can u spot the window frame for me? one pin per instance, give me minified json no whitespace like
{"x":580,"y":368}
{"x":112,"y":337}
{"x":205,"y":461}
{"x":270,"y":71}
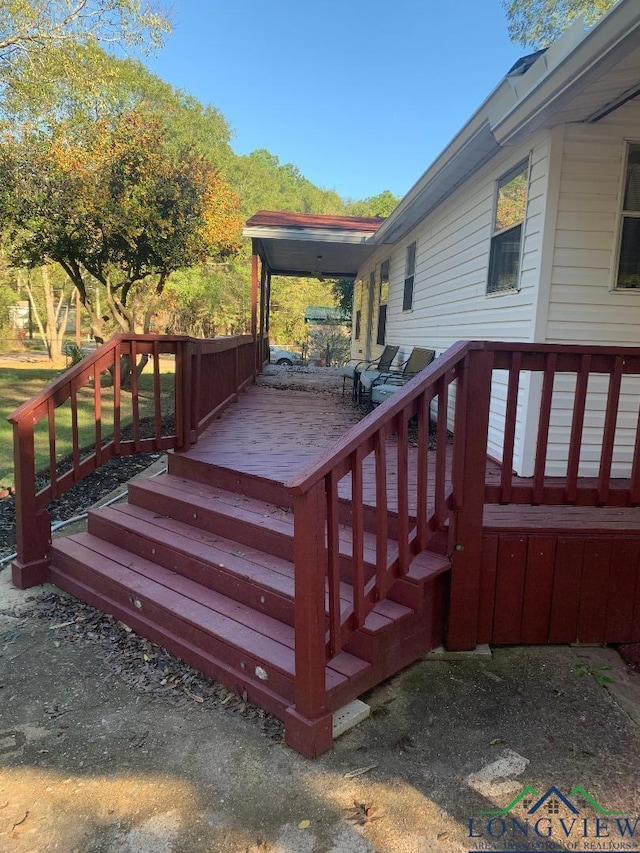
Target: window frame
{"x":383,"y":300}
{"x":411,"y":252}
{"x":522,"y":167}
{"x":623,"y":215}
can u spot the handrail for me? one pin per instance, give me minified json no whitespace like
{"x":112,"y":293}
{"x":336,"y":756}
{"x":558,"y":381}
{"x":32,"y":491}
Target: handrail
{"x":364,"y":431}
{"x":209,"y":374}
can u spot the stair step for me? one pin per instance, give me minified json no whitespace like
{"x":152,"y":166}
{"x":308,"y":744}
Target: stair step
{"x":177,"y":612}
{"x":264,"y":582}
{"x":249,"y":485}
{"x":237,"y":517}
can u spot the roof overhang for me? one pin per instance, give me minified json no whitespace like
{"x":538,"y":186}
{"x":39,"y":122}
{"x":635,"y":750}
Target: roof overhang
{"x":312,"y":245}
{"x":580,"y":78}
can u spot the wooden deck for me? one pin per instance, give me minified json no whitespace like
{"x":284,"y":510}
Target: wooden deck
{"x":301,"y":553}
{"x":274,"y":434}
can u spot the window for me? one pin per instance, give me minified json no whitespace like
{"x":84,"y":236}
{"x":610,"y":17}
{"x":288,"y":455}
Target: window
{"x":357,"y":298}
{"x":511,"y":205}
{"x":409,"y":273}
{"x":629,"y":262}
{"x":382,"y":304}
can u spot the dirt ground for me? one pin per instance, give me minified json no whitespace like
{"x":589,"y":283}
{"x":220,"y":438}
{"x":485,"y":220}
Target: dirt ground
{"x":97,"y":754}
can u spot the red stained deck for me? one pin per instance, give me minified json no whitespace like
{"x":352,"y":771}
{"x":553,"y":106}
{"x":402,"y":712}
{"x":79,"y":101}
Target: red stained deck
{"x":274,"y":434}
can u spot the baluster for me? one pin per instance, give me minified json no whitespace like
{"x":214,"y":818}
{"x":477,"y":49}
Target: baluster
{"x":333,"y":564}
{"x":543,"y":428}
{"x":506,"y":477}
{"x":97,"y":412}
{"x":135,"y":402}
{"x":74,"y":430}
{"x":422,"y":484}
{"x":53,"y":466}
{"x":157,"y":396}
{"x":404,"y":552}
{"x":441,"y":454}
{"x":577,"y":426}
{"x":609,"y":432}
{"x":382,"y":511}
{"x":357,"y":527}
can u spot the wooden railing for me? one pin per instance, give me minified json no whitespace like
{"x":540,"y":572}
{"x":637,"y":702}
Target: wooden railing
{"x":207,"y":376}
{"x":362,"y":458}
{"x":442,"y":488}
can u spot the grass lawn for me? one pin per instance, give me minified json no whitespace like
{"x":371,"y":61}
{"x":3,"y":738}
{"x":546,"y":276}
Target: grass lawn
{"x":20,"y":381}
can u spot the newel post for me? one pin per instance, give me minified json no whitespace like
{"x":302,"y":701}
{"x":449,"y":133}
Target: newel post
{"x":308,"y":724}
{"x":186,"y":403}
{"x":33,"y":528}
{"x":473,"y":397}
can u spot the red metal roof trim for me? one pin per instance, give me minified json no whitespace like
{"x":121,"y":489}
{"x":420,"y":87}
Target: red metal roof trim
{"x":284,"y":219}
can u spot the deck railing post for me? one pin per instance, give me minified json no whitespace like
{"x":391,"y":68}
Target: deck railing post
{"x":470,"y":461}
{"x":308,"y":724}
{"x":33,"y":528}
{"x":186,"y":395}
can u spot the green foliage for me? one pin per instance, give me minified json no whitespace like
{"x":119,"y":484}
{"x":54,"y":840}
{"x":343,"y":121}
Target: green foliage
{"x":330,"y":343}
{"x":42,"y":39}
{"x":343,"y":295}
{"x":537,"y":23}
{"x":108,"y":200}
{"x":382,"y":204}
{"x":599,"y":674}
{"x":289,"y":298}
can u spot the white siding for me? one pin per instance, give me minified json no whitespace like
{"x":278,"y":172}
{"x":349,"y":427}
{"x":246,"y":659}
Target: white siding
{"x":582,"y":306}
{"x":450,"y":302}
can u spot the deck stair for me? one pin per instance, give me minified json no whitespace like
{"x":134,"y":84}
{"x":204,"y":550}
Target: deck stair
{"x":207,"y":572}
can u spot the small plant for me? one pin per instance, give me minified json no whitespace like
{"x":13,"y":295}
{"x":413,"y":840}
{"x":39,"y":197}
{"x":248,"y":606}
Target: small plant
{"x":599,"y":674}
{"x":74,"y":354}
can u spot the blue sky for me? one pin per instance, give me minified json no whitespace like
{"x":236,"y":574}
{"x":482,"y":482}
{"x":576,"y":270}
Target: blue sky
{"x":360,"y":95}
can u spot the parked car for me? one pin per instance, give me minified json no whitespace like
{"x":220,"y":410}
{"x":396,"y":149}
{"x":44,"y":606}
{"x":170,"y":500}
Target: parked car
{"x":283,"y":357}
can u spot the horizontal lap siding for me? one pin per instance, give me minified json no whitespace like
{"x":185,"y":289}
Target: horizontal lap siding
{"x":450,"y":301}
{"x":582,"y":306}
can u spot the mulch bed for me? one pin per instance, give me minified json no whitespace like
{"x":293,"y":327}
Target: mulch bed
{"x":79,"y":498}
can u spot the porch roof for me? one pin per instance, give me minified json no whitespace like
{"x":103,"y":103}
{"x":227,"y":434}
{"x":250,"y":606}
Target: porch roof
{"x":312,"y":245}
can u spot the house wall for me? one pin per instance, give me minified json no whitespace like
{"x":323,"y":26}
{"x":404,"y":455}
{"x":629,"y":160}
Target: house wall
{"x":450,"y":302}
{"x":583,"y":307}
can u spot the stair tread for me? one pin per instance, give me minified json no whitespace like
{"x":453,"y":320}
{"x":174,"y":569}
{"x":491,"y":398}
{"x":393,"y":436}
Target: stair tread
{"x":269,"y":572}
{"x":257,"y":633}
{"x":240,"y":507}
{"x":427,"y":564}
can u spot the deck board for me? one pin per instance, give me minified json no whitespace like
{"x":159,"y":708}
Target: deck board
{"x":274,"y":434}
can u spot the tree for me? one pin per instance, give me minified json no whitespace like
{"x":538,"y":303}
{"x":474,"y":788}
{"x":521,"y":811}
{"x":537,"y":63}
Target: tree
{"x":43,"y":35}
{"x":376,"y":205}
{"x":537,"y":23}
{"x":112,"y":205}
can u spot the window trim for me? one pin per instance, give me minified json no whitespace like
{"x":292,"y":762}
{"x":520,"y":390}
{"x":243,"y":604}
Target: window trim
{"x":615,"y":265}
{"x":381,"y":330}
{"x":523,"y":166}
{"x":409,"y":278}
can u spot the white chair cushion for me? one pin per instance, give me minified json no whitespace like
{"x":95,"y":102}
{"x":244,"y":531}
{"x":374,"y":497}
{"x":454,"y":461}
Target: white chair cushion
{"x":379,"y":393}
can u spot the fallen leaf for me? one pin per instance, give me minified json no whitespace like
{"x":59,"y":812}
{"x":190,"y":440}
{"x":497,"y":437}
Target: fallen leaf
{"x":496,"y":741}
{"x":442,"y":836}
{"x":304,"y":824}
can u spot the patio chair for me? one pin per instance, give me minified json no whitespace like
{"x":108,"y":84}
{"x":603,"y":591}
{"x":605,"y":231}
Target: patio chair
{"x":383,"y":386}
{"x":353,"y":371}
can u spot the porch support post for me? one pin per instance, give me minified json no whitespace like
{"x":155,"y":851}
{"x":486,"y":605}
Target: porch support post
{"x":308,"y":724}
{"x":254,"y":298}
{"x":470,"y":462}
{"x":263,"y":292}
